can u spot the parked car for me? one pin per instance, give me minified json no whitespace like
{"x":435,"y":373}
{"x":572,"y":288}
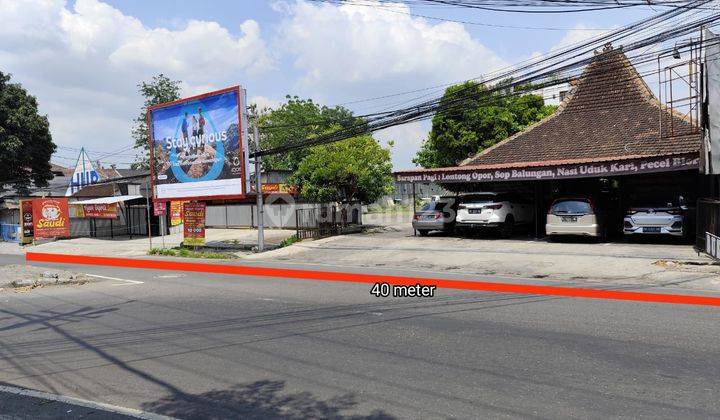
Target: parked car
{"x":654,"y":218}
{"x":502,"y":211}
{"x":575,"y":216}
{"x":438,"y":214}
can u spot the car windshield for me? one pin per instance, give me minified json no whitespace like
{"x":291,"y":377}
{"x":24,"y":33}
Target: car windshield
{"x":435,"y":206}
{"x":480,"y":198}
{"x":653,"y":204}
{"x":571,"y":206}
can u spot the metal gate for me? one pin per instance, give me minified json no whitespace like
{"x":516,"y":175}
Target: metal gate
{"x":327,"y":220}
{"x":708,"y":226}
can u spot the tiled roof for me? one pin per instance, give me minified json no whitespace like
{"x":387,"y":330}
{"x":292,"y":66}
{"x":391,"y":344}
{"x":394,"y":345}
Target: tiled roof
{"x":610,"y":114}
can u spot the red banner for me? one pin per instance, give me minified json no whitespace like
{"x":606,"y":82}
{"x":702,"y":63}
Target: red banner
{"x":159,"y":208}
{"x":194,"y":223}
{"x":101,"y":211}
{"x":51,"y":218}
{"x":26,"y":213}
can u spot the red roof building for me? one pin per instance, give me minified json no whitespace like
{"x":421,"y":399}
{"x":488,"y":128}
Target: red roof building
{"x":610,"y":124}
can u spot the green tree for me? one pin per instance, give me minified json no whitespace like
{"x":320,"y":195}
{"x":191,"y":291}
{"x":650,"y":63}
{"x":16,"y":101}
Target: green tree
{"x":297,"y":120}
{"x":25,"y":141}
{"x":161,"y":89}
{"x":474,"y":119}
{"x":356,"y":169}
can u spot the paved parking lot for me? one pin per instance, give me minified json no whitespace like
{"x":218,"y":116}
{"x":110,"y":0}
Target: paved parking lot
{"x":392,"y":245}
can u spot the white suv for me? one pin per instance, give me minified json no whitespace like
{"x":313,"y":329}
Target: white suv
{"x":501,"y":211}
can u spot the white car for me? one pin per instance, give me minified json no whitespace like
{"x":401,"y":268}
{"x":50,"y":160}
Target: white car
{"x":654,"y":218}
{"x":577,"y":216}
{"x":502,"y":211}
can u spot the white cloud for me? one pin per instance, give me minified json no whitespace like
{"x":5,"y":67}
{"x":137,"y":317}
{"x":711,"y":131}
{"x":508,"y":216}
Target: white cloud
{"x":407,"y":139}
{"x":366,"y":50}
{"x":578,"y":34}
{"x":263,"y":102}
{"x":84,"y":62}
{"x":350,"y":52}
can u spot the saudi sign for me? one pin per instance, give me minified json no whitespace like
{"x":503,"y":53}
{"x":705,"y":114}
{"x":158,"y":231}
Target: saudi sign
{"x":84,"y":174}
{"x":197,"y":147}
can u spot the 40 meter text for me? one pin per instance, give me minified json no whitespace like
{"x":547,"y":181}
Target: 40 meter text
{"x":416,"y":290}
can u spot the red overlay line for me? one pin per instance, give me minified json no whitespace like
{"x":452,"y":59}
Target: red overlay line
{"x":289,"y":273}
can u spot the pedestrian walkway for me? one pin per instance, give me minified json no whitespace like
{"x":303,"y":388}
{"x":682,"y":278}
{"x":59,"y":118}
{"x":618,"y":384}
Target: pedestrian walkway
{"x":139,"y":245}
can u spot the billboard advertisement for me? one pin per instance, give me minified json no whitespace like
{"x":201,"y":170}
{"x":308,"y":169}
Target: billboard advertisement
{"x":26,"y":213}
{"x":197,"y":147}
{"x":176,"y":213}
{"x":51,"y":218}
{"x":84,"y":174}
{"x":194,"y":223}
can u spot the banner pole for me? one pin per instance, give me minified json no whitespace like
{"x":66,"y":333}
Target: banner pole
{"x":147,"y":207}
{"x":258,"y":186}
{"x":162,"y":229}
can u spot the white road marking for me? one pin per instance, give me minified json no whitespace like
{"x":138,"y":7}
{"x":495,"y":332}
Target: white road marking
{"x":169,"y":276}
{"x":83,"y":403}
{"x":127,"y":282}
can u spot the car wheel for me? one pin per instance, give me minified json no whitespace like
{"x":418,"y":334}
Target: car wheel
{"x":423,"y":232}
{"x":506,"y":230}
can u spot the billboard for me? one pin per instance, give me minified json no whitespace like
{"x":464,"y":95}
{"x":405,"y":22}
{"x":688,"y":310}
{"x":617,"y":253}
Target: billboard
{"x":197,"y":147}
{"x":84,"y":174}
{"x":51,"y":218}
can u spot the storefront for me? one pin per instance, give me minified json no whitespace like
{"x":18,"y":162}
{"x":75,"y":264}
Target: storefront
{"x":610,"y":139}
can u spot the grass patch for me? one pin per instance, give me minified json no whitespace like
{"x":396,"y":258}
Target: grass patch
{"x":189,"y":253}
{"x":289,"y":241}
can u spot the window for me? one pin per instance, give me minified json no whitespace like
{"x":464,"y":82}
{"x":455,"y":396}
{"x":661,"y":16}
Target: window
{"x":571,"y":207}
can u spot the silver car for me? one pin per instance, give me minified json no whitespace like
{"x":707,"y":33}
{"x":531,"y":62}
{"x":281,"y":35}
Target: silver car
{"x":663,"y":218}
{"x":435,"y":215}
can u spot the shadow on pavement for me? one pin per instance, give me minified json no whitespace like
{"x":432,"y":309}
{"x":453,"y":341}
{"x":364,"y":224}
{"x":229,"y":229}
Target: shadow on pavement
{"x":257,"y":400}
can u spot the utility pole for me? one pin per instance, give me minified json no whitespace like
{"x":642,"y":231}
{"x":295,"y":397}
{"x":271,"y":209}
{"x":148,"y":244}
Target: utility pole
{"x":258,"y":186}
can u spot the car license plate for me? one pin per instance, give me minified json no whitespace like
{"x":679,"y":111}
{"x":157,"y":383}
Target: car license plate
{"x":569,"y":219}
{"x":475,"y":211}
{"x":651,"y":230}
{"x":430,"y":217}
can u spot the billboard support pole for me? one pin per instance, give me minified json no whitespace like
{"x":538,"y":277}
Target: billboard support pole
{"x":147,"y":207}
{"x":258,"y":186}
{"x":162,"y":230}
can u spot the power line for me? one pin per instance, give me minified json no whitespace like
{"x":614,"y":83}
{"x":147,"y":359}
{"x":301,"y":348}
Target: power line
{"x":425,"y":109}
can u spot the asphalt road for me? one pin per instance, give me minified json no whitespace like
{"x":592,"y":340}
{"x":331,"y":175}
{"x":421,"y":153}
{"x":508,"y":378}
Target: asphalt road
{"x":191,"y":345}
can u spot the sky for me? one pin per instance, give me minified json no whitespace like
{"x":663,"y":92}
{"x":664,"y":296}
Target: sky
{"x":83,"y":59}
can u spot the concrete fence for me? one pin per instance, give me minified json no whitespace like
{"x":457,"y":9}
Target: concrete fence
{"x":245,"y":215}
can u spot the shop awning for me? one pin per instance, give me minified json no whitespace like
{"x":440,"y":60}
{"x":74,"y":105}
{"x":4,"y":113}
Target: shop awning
{"x":109,"y":200}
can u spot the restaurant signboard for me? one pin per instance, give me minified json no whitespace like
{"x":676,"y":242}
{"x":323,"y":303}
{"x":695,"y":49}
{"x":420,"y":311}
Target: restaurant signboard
{"x":584,"y":170}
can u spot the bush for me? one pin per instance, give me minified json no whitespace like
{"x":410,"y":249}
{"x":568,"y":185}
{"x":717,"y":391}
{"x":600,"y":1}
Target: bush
{"x":289,"y":241}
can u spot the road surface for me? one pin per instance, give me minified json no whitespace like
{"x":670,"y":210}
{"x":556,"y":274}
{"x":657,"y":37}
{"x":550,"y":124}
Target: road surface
{"x":192,"y":345}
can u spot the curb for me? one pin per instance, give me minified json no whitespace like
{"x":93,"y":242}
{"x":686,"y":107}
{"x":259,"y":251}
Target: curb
{"x":108,"y":408}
